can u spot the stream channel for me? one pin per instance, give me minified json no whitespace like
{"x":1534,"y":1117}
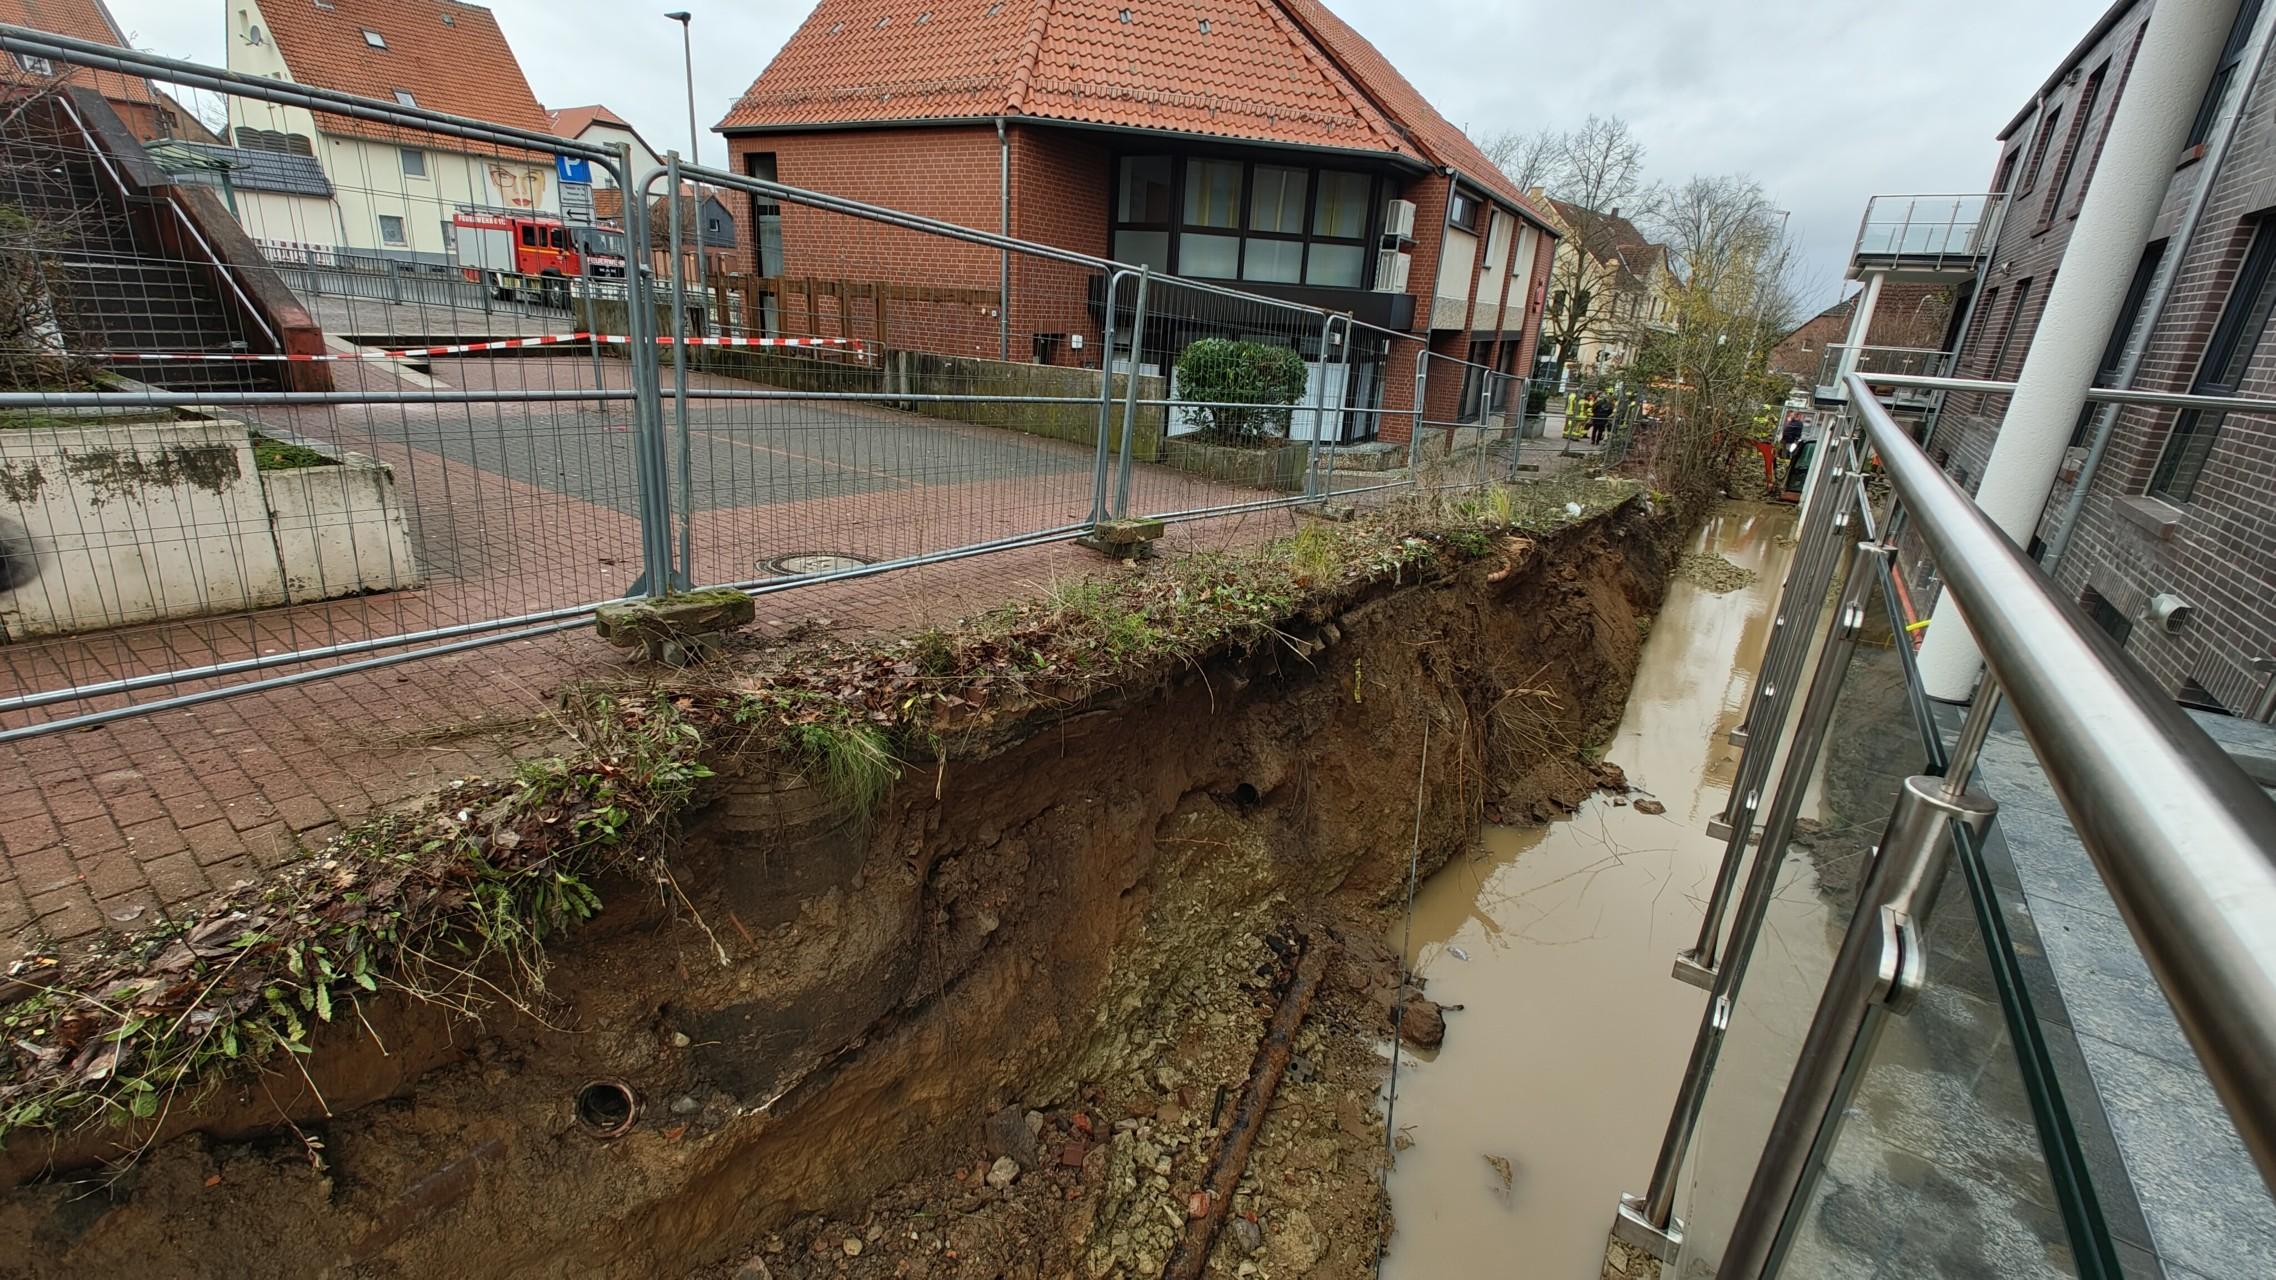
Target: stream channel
{"x":1557,"y":942}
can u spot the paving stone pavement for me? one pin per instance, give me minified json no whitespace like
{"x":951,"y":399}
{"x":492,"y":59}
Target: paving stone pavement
{"x":515,"y":508}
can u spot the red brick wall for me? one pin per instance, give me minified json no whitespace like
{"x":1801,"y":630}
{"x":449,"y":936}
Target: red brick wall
{"x":948,"y":173}
{"x":1060,"y":185}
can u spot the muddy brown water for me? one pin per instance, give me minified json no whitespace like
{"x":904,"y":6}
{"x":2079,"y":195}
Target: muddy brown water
{"x":1565,"y":1056}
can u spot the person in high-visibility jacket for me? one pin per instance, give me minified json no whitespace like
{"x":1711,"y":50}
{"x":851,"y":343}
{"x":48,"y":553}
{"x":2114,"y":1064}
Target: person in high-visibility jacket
{"x":1578,"y":410}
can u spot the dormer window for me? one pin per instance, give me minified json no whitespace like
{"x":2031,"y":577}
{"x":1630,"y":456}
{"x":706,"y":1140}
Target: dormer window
{"x":374,"y":39}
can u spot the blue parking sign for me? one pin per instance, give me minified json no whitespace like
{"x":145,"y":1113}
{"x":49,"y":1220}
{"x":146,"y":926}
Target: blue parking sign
{"x":573,"y":169}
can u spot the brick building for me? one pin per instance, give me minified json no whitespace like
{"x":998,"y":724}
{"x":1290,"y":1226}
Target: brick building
{"x":2178,"y":505}
{"x":148,"y":112}
{"x":1915,"y":317}
{"x":1262,"y":143}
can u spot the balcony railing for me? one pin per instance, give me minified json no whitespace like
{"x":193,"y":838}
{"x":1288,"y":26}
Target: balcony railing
{"x":1929,"y":1044}
{"x":1919,"y":362}
{"x":1931,"y":232}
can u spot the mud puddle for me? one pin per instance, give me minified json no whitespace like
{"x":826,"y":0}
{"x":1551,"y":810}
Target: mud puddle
{"x":1548,"y":1099}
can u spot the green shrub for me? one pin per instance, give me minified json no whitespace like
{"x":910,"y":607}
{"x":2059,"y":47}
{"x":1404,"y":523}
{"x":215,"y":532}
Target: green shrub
{"x":1221,"y":372}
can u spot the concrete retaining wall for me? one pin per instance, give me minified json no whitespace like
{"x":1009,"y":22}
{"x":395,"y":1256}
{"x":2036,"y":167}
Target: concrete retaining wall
{"x":106,"y":526}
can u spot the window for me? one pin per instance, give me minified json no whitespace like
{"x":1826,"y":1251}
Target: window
{"x":1142,"y":212}
{"x":1278,"y":197}
{"x":2109,"y":617}
{"x":414,"y":162}
{"x":2039,"y":147}
{"x":2006,"y":172}
{"x":2114,"y":350}
{"x":35,"y":64}
{"x":2224,"y":72}
{"x":1462,"y":210}
{"x":2228,"y":355}
{"x":1235,"y":220}
{"x":2007,"y":334}
{"x":292,"y":144}
{"x":403,"y":98}
{"x":391,"y":229}
{"x":2079,"y":117}
{"x":374,"y":39}
{"x":529,"y":236}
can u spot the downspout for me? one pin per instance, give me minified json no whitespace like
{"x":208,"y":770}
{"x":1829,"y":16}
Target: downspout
{"x":1004,"y":228}
{"x":2169,"y":270}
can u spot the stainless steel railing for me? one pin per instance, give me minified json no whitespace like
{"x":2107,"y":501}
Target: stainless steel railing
{"x":2184,"y":841}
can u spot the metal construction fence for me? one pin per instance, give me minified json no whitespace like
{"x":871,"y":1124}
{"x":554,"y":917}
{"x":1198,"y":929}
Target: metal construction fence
{"x":229,"y":466}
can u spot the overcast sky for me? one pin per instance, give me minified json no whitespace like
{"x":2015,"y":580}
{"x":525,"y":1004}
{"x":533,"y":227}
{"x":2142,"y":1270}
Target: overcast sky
{"x":1825,"y":102}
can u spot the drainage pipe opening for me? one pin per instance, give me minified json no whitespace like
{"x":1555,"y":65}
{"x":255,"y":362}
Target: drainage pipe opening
{"x":607,"y":1108}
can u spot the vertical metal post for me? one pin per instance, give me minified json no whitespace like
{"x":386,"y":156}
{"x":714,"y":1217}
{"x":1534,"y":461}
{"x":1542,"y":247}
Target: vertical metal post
{"x":1648,"y":1221}
{"x":1414,"y":437}
{"x":1129,"y":393}
{"x":1879,"y":970}
{"x":1697,"y":964}
{"x":684,"y":577}
{"x":1809,"y":542}
{"x":1343,"y":342}
{"x":648,"y":456}
{"x":1319,"y":412}
{"x":1106,"y":397}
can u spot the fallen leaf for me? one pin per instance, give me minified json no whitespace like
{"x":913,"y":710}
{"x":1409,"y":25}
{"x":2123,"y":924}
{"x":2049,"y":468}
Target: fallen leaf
{"x":673,"y":1134}
{"x":213,"y":1181}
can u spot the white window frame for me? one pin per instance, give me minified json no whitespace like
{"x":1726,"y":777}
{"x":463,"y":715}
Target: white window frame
{"x":403,"y":98}
{"x":414,"y":162}
{"x":34,"y":64}
{"x":402,"y":236}
{"x":374,"y":39}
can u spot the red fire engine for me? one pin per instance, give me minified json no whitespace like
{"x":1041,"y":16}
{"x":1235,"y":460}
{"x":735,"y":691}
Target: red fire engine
{"x":529,"y":253}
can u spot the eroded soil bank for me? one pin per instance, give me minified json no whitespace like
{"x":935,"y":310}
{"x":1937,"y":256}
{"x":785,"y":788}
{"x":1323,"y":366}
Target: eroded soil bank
{"x":1055,"y":947}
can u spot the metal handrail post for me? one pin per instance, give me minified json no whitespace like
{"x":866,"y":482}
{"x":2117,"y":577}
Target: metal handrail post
{"x":1698,"y":964}
{"x":1648,"y":1221}
{"x":1103,"y":458}
{"x":1808,"y":542}
{"x":1129,"y":391}
{"x":1880,"y":969}
{"x":2184,"y":840}
{"x":685,"y":577}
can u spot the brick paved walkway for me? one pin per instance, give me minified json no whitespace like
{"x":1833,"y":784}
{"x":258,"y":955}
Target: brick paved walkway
{"x":514,"y":508}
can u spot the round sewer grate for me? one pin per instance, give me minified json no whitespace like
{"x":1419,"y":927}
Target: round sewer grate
{"x":800,"y":564}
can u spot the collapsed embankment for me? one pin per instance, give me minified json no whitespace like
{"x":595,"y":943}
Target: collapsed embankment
{"x":827,"y":1001}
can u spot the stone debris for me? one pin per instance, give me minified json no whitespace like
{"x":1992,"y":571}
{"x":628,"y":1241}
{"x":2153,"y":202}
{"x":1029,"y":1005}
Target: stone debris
{"x":1713,"y":573}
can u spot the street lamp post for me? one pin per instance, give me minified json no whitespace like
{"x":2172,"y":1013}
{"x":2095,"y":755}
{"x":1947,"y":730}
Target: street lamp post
{"x":687,"y":50}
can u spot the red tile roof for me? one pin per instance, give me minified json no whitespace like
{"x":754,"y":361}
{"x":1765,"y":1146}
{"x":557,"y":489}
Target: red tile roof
{"x":1437,"y":136}
{"x":81,"y":20}
{"x":1227,"y":68}
{"x":449,"y":57}
{"x":569,"y":122}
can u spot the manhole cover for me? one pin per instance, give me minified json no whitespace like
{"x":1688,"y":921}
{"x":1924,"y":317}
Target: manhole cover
{"x":802,"y":563}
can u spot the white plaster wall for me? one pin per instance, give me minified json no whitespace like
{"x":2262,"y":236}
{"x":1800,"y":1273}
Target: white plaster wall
{"x":367,"y":176}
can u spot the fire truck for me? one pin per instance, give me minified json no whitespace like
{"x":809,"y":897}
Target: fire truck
{"x":520,"y":254}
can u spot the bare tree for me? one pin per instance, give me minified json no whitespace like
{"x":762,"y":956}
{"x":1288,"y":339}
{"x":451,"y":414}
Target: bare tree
{"x":35,"y":229}
{"x":1526,"y":159}
{"x":1596,"y":175}
{"x":1738,"y":293}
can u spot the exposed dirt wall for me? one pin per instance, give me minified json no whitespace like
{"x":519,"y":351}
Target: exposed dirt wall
{"x":1024,"y":919}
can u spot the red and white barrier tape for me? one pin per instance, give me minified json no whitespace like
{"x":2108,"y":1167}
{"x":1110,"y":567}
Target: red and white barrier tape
{"x":855,"y":345}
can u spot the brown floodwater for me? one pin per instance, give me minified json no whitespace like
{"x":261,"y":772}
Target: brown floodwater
{"x":1557,"y":942}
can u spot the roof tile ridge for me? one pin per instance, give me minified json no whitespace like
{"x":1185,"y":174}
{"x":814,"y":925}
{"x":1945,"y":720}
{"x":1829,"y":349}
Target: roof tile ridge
{"x":1308,"y":45}
{"x":1030,"y":50}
